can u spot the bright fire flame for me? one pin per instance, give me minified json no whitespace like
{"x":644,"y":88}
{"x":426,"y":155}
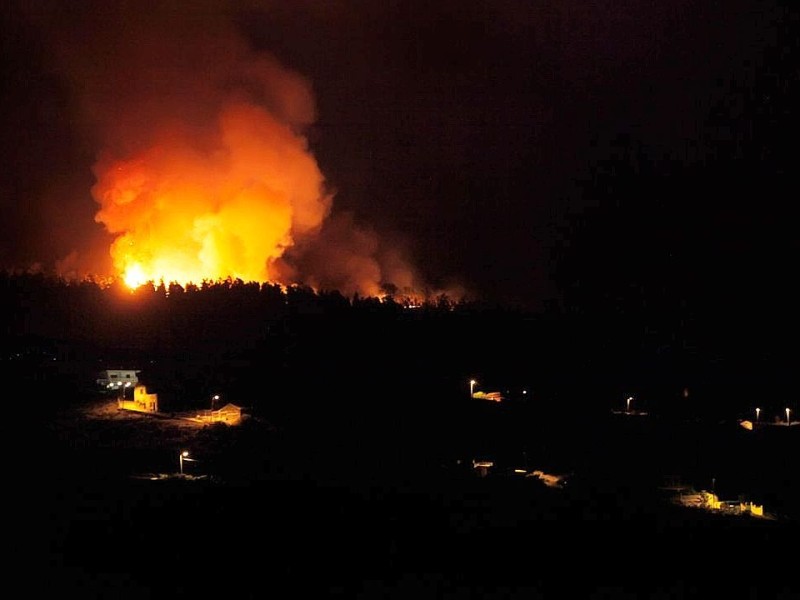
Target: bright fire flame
{"x":205,"y":173}
{"x":232,"y":210}
{"x":135,"y":276}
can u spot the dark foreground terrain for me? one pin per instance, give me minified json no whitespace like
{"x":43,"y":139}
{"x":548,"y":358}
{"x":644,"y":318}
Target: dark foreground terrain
{"x":354,"y":476}
{"x":270,"y":511}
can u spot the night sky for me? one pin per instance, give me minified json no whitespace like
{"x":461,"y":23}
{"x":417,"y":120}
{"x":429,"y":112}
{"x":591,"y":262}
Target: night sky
{"x":518,"y":151}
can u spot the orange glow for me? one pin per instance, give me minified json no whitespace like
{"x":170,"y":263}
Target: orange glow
{"x":205,"y":174}
{"x":230,"y":210}
{"x":491,"y":396}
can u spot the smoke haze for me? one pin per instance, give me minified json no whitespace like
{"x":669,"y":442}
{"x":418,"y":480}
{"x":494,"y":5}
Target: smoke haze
{"x":202,"y":168}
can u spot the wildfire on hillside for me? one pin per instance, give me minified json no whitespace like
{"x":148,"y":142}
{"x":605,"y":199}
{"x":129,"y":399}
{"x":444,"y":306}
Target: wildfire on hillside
{"x":229,"y":210}
{"x":203,"y":167}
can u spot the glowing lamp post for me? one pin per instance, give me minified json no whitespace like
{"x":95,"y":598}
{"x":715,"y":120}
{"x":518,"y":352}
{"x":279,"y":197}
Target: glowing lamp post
{"x":125,"y":387}
{"x":628,"y":404}
{"x":788,"y":421}
{"x":758,"y":412}
{"x":214,"y":398}
{"x":472,"y":383}
{"x":184,"y":455}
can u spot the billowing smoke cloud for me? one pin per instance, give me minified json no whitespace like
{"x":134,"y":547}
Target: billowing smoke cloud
{"x":349,"y":257}
{"x":202,"y":167}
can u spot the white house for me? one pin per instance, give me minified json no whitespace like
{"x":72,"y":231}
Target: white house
{"x":113,"y":379}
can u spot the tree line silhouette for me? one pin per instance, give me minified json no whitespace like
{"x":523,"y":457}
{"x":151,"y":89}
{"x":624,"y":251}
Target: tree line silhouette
{"x":263,"y":344}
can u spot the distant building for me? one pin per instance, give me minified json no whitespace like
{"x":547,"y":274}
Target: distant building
{"x":550,"y":480}
{"x":491,"y":396}
{"x":114,"y":379}
{"x":142,"y":401}
{"x":710,"y":501}
{"x":230,"y":414}
{"x":482,"y":467}
{"x":757,"y":510}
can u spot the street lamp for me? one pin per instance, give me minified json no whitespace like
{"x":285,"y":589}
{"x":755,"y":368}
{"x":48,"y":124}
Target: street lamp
{"x":472,"y":383}
{"x":628,"y":404}
{"x":125,"y":387}
{"x":787,"y":416}
{"x":214,"y":398}
{"x":758,"y":411}
{"x":183,"y":455}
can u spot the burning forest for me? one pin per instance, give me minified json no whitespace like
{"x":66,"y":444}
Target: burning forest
{"x":202,"y":165}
